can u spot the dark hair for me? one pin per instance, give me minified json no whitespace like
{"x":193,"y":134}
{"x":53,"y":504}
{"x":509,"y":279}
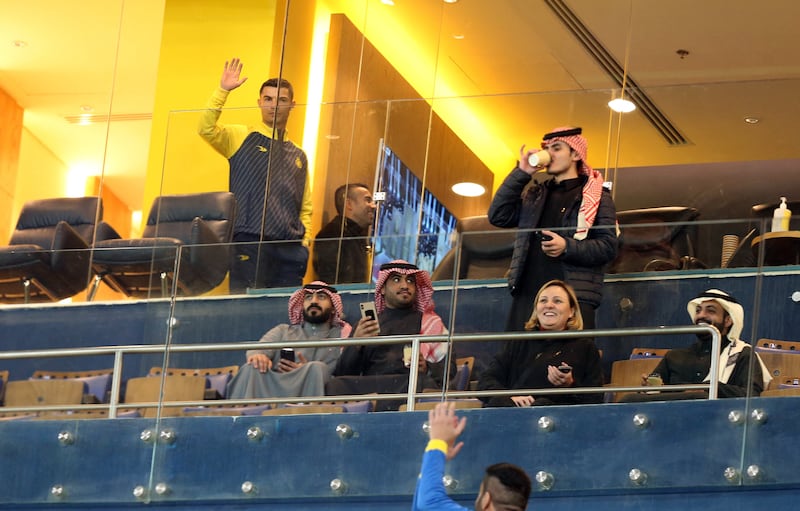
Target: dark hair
{"x":342,"y":193}
{"x":509,"y":486}
{"x":278,"y":83}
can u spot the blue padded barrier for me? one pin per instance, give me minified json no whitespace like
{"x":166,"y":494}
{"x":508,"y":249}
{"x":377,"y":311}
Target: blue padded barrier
{"x":684,"y":450}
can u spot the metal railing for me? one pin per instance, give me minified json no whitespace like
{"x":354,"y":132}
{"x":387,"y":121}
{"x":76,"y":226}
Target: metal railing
{"x":119,"y":351}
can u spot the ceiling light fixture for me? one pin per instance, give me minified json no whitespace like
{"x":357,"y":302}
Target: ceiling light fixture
{"x":19,"y":43}
{"x":621,"y":105}
{"x":752,"y":120}
{"x":458,"y":37}
{"x":468,"y":189}
{"x":387,"y":2}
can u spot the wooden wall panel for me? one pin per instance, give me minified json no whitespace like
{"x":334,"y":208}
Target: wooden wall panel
{"x":359,"y":85}
{"x":10,"y":137}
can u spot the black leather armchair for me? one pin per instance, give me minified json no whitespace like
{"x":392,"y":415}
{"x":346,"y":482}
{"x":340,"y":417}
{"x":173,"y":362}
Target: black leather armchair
{"x":485,"y":251}
{"x":48,"y":256}
{"x":657,"y":239}
{"x":186,"y":242}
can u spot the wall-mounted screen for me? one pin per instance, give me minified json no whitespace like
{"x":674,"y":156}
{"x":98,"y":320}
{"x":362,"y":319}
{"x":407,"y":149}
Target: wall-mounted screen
{"x":412,"y":223}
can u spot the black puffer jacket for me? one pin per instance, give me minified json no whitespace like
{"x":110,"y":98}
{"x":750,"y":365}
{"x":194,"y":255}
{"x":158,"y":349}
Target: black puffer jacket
{"x":514,"y":206}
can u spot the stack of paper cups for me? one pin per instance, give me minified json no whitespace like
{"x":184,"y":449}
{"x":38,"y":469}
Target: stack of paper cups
{"x":729,"y":244}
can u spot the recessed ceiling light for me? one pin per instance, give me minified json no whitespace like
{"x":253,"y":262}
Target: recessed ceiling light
{"x":387,"y":2}
{"x":87,"y":108}
{"x":621,"y":105}
{"x":468,"y":189}
{"x":450,"y":1}
{"x":752,"y":120}
{"x":458,"y":37}
{"x":19,"y":43}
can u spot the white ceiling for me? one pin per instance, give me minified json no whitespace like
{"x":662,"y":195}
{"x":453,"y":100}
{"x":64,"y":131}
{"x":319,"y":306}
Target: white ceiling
{"x":526,"y":72}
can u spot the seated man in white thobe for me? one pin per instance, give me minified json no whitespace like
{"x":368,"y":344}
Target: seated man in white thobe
{"x":315,"y":312}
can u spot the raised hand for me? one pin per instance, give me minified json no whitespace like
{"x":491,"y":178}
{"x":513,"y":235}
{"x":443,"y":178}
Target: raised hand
{"x":445,"y":425}
{"x":231,"y":75}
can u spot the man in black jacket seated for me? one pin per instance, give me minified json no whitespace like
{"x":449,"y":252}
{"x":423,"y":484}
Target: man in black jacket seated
{"x":683,"y":366}
{"x":404,"y":303}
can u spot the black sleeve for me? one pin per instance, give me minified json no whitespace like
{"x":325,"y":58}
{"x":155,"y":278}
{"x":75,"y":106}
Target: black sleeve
{"x":350,"y":362}
{"x":497,"y":375}
{"x":506,"y":205}
{"x":325,"y":256}
{"x":741,"y":380}
{"x":436,"y":369}
{"x":592,"y":375}
{"x":663,"y":369}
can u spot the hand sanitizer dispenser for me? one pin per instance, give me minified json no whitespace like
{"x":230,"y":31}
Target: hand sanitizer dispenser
{"x":780,"y":217}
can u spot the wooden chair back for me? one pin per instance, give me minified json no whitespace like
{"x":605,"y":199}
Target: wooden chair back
{"x":69,"y":375}
{"x":304,"y":409}
{"x":781,"y":392}
{"x":628,"y":373}
{"x":777,"y":344}
{"x":92,"y":395}
{"x":202,"y":371}
{"x":460,"y":404}
{"x":215,"y":389}
{"x":147,"y":389}
{"x":782,"y":366}
{"x":648,"y":352}
{"x":44,"y":393}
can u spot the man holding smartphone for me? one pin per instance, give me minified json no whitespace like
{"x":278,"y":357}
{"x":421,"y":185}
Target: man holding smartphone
{"x":404,"y":306}
{"x":315,"y":312}
{"x":574,"y":218}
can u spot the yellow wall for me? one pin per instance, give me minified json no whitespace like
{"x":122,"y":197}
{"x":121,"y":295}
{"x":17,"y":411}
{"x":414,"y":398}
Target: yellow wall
{"x":198,"y":37}
{"x":41,"y":173}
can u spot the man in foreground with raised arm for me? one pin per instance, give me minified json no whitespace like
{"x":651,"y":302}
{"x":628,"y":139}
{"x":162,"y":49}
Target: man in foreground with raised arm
{"x":505,"y":486}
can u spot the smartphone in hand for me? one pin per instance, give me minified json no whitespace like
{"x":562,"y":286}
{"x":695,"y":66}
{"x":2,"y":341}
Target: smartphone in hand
{"x":287,"y":354}
{"x":368,"y":311}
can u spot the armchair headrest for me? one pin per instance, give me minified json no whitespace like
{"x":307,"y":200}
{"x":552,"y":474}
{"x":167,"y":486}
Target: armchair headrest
{"x":482,"y":239}
{"x":656,"y":215}
{"x":45,"y":214}
{"x":217,"y":209}
{"x":634,"y":235}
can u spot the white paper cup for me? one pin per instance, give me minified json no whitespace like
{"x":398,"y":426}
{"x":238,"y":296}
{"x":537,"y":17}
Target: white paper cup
{"x":539,"y":159}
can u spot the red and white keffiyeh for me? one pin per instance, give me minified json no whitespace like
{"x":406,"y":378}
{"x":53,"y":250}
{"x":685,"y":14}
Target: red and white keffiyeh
{"x":423,"y":302}
{"x":296,"y":302}
{"x":593,"y":188}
